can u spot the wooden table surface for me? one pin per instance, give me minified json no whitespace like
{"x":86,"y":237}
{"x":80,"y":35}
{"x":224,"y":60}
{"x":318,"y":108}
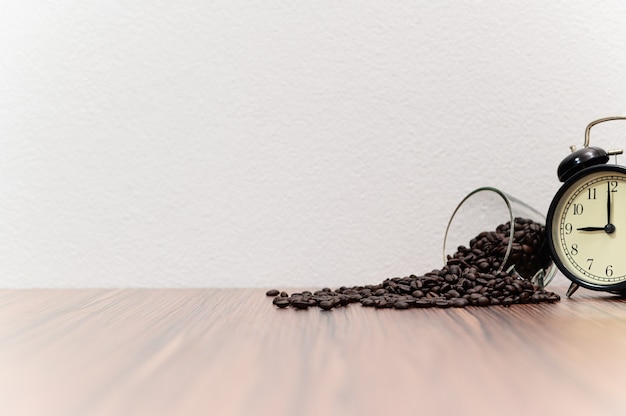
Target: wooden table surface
{"x":231,"y":352}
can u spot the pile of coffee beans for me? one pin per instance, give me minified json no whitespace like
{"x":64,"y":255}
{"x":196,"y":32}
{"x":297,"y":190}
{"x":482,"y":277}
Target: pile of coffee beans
{"x":469,"y":278}
{"x":529,"y":251}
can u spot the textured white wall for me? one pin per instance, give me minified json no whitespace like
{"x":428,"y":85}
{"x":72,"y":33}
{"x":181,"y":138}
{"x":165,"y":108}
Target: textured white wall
{"x":240,"y":143}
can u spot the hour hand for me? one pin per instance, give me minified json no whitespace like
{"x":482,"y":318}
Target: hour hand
{"x":590,"y":229}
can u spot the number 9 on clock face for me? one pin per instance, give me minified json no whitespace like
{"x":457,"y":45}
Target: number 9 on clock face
{"x":586,"y":227}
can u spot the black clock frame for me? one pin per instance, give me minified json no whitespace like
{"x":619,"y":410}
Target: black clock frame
{"x":614,"y":288}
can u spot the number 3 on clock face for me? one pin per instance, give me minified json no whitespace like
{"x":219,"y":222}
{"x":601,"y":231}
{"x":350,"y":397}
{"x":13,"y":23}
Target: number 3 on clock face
{"x":586,"y":227}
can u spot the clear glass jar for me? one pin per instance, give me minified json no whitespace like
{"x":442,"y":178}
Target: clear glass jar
{"x":521,"y":248}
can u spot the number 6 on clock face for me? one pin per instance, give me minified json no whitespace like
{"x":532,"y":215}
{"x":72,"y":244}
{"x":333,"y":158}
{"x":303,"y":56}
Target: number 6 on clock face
{"x":586,"y":226}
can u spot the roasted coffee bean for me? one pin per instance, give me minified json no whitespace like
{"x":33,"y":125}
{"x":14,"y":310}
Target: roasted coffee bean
{"x":460,"y":302}
{"x":300,"y":304}
{"x":483,"y":265}
{"x":423,"y":303}
{"x":401,"y":305}
{"x":367,"y":302}
{"x":353,"y":297}
{"x":451,"y":278}
{"x":483,"y":301}
{"x":452,"y":294}
{"x":475,"y":296}
{"x":281,"y":302}
{"x":272,"y":292}
{"x":455,"y":270}
{"x":365,"y":292}
{"x":343,"y":300}
{"x":418,"y":294}
{"x":404,"y":288}
{"x":326,"y":304}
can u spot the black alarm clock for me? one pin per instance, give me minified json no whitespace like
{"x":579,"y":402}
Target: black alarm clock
{"x":586,"y":221}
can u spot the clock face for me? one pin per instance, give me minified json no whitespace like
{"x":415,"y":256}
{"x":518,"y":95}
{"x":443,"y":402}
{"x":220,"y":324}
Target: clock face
{"x":587,"y":227}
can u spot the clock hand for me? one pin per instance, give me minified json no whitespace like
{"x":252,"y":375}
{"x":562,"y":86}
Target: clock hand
{"x":609,"y":228}
{"x":608,"y":203}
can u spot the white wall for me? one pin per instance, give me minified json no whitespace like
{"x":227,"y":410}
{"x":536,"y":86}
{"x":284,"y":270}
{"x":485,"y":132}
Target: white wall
{"x":274,"y":143}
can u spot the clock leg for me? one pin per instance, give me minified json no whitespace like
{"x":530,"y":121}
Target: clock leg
{"x":572,"y":288}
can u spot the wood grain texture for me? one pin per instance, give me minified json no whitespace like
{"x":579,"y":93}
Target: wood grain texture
{"x":231,"y":352}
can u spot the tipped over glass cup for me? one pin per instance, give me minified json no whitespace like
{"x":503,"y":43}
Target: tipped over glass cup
{"x":496,"y":231}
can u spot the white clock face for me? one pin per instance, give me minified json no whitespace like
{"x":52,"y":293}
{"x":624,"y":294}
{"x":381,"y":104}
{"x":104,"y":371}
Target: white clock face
{"x":589,"y":228}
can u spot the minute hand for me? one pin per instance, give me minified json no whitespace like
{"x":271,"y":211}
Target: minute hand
{"x":608,"y":202}
{"x":590,"y":229}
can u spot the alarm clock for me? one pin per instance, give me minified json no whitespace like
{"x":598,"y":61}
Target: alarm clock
{"x":586,"y":221}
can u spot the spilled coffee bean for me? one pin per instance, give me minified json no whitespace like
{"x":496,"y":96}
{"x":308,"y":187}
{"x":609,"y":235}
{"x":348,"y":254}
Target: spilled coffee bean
{"x":469,"y":278}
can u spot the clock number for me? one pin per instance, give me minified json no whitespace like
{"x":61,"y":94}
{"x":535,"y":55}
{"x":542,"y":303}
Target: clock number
{"x":591,"y":193}
{"x":613,"y":186}
{"x":590,"y":261}
{"x":578,"y":209}
{"x":609,"y":271}
{"x":574,"y":249}
{"x":568,"y":228}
